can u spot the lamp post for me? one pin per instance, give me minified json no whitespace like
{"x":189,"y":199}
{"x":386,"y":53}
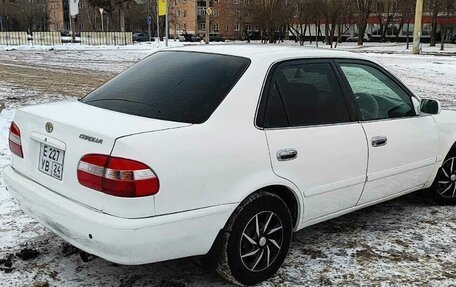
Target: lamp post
{"x":208,"y":14}
{"x":101,"y":14}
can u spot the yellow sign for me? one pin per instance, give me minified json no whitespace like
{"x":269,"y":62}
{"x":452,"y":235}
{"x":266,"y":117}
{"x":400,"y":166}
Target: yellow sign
{"x":162,"y":7}
{"x":209,"y":11}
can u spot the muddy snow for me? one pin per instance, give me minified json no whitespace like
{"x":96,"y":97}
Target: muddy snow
{"x":407,"y":241}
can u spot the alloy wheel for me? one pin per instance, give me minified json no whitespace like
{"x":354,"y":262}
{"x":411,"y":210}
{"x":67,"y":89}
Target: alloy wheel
{"x":447,"y":180}
{"x":261,"y":241}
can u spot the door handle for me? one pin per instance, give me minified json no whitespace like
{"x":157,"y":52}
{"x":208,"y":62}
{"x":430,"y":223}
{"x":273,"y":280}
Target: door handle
{"x":287,"y":154}
{"x":379,"y":141}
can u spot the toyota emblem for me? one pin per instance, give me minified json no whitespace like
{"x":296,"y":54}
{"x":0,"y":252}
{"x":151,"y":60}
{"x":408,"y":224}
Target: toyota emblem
{"x":49,"y":127}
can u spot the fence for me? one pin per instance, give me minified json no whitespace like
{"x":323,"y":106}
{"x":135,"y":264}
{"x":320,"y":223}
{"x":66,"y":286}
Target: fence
{"x":54,"y":38}
{"x":47,"y":38}
{"x":107,"y":38}
{"x":13,"y":38}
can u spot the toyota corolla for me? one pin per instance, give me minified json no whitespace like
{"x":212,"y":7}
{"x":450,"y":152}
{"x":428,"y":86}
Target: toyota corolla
{"x":225,"y":151}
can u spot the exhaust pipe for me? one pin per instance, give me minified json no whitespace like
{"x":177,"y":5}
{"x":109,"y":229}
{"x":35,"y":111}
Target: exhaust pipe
{"x":86,"y":257}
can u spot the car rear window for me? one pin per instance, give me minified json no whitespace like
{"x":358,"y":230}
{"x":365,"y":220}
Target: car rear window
{"x":172,"y":85}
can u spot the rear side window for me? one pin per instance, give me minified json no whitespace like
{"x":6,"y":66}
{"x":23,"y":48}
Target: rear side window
{"x":303,"y":95}
{"x":174,"y":86}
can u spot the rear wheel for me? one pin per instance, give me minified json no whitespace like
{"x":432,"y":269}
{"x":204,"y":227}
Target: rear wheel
{"x":256,"y":239}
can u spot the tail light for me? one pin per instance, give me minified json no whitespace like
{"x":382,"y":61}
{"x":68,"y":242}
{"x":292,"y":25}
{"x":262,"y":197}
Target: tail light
{"x":15,"y":140}
{"x":117,"y":176}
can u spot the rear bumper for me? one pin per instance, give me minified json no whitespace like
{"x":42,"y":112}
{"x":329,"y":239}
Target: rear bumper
{"x":119,"y":240}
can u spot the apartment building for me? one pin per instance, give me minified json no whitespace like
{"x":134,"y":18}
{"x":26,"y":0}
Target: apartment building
{"x":184,"y":17}
{"x":229,"y":18}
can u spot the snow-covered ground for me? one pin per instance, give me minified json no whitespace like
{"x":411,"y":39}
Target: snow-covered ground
{"x":408,"y":241}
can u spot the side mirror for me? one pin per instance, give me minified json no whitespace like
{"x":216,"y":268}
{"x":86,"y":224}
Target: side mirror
{"x":431,"y":107}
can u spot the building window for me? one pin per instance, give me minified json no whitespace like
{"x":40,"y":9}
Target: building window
{"x":201,"y":11}
{"x":237,"y":27}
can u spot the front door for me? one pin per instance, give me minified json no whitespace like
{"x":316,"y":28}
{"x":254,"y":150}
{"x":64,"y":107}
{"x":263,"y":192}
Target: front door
{"x":402,"y":144}
{"x":313,"y":138}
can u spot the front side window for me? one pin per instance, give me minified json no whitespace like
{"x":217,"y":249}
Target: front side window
{"x":377,"y":96}
{"x":303,"y":95}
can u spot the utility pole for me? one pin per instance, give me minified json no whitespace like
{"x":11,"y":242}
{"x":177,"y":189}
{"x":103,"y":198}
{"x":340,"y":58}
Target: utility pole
{"x":167,"y":24}
{"x":149,"y":20}
{"x":417,"y":28}
{"x":158,"y":25}
{"x":70,"y":18}
{"x":208,"y":9}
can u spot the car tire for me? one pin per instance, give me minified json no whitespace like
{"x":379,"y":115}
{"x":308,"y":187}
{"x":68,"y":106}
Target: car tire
{"x":256,"y":239}
{"x":443,"y":189}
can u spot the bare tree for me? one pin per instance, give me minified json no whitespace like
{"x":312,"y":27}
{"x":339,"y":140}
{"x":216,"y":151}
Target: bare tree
{"x":271,"y":16}
{"x":334,"y":17}
{"x":385,"y":11}
{"x":406,"y":9}
{"x":449,"y":7}
{"x":28,"y":15}
{"x":363,"y":9}
{"x":434,"y":6}
{"x":111,"y":6}
{"x":301,"y":20}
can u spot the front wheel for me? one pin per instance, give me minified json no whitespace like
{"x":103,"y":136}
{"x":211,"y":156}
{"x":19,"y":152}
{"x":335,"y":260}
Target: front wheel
{"x":256,"y":239}
{"x":444,"y":187}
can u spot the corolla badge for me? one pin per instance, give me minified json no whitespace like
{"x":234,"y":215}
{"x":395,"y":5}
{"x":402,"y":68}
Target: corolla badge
{"x":49,"y":127}
{"x":90,"y":139}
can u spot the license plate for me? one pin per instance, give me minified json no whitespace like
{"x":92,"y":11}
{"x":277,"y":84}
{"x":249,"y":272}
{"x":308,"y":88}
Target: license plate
{"x":51,"y":161}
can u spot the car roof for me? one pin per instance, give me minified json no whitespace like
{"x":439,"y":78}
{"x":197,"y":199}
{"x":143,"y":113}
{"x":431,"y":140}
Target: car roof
{"x":273,"y":53}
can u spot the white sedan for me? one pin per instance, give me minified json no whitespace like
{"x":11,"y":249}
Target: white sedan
{"x":224,"y":151}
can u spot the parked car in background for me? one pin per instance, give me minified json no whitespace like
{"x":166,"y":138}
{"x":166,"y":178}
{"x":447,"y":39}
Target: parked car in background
{"x":224,"y":152}
{"x":216,"y":38}
{"x":253,"y":36}
{"x":142,"y":37}
{"x":189,"y":38}
{"x":356,"y":37}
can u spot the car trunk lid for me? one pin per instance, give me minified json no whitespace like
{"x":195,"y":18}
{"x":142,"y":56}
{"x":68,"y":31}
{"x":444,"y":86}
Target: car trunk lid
{"x":62,"y":133}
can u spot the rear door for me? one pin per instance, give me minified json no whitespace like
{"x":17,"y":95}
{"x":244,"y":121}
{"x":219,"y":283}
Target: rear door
{"x":313,"y":139}
{"x":402,"y":144}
